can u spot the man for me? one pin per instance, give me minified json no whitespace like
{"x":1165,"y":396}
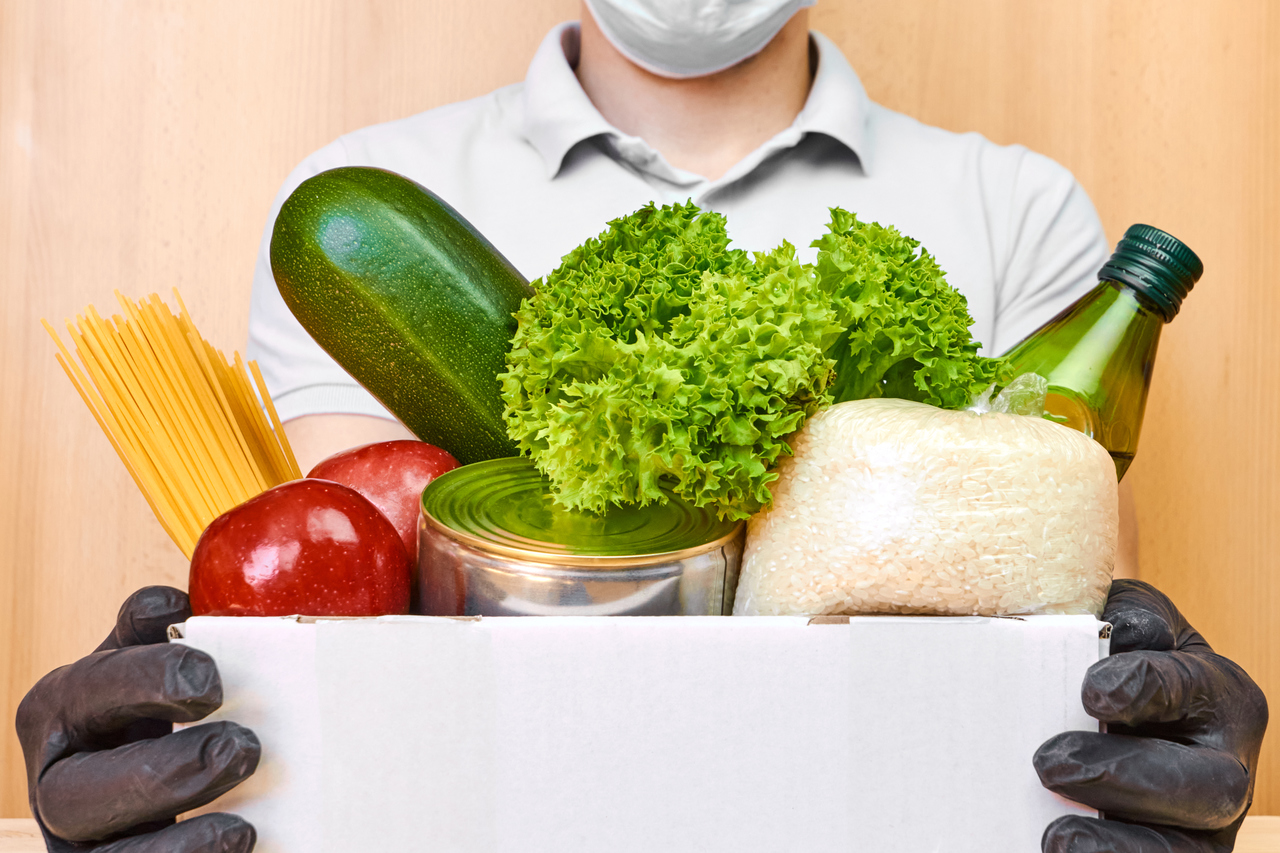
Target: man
{"x":739,"y":107}
{"x":772,"y":141}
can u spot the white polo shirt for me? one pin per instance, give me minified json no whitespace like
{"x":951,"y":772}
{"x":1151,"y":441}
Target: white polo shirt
{"x":537,"y":169}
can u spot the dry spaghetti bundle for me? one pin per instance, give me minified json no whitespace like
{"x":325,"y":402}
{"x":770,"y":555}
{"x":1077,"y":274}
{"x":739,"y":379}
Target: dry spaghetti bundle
{"x":186,"y":422}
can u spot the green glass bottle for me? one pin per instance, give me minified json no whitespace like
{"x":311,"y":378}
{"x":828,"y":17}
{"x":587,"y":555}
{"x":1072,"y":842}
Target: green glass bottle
{"x":1097,"y":355}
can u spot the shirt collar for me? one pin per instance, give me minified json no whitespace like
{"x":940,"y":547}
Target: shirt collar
{"x":838,"y":105}
{"x":558,"y":114}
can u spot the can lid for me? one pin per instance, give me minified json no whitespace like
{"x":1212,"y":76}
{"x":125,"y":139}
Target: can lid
{"x":1157,"y":265}
{"x":505,"y":505}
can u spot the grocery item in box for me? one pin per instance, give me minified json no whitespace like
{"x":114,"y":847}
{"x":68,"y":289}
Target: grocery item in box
{"x":890,"y":506}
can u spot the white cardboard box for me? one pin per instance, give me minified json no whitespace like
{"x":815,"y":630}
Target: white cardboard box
{"x":590,"y":734}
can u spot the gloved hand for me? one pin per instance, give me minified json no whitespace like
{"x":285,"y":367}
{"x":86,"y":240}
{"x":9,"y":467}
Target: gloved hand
{"x":105,"y":771}
{"x":1175,"y":771}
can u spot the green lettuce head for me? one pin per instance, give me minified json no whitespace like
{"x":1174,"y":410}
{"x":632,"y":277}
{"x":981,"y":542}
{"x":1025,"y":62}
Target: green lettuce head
{"x":655,"y":355}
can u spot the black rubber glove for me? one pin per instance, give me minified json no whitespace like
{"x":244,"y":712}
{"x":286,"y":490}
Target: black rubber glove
{"x":105,"y":770}
{"x":1175,"y":771}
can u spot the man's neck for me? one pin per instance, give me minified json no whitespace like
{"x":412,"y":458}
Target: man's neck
{"x":706,"y":124}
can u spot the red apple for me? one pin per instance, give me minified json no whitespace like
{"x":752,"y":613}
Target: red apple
{"x":392,"y":475}
{"x":308,"y":547}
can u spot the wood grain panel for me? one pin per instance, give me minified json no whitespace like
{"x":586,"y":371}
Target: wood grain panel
{"x":141,"y":144}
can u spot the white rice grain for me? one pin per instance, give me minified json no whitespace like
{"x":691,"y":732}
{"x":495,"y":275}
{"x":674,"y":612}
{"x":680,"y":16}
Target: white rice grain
{"x":890,"y":506}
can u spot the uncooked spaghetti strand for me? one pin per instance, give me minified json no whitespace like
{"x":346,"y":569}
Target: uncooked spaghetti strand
{"x":177,"y":436}
{"x":211,"y":362}
{"x":237,"y":450}
{"x":164,"y":514}
{"x":110,"y":384}
{"x":295,"y":473}
{"x":240,"y":453}
{"x":194,"y":433}
{"x":272,"y":439}
{"x":215,"y":411}
{"x":149,"y":416}
{"x":201,"y":446}
{"x":253,"y":420}
{"x":111,"y":377}
{"x":255,"y":454}
{"x":188,"y":383}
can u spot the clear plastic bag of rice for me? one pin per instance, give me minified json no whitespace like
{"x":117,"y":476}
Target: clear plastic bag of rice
{"x":890,"y":506}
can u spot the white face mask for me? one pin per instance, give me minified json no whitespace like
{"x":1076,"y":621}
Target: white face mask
{"x":691,"y":38}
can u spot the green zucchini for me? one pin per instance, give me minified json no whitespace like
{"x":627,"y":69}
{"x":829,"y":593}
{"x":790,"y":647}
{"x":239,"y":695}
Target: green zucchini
{"x":408,"y":297}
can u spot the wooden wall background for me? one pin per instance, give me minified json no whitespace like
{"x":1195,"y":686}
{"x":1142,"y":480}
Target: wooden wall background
{"x":141,"y":144}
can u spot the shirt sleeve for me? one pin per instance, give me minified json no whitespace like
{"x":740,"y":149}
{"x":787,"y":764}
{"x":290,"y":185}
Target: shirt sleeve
{"x":301,"y":376}
{"x":1049,"y":249}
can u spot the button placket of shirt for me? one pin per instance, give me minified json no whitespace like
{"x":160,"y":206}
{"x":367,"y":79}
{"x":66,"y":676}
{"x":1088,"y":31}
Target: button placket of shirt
{"x":784,"y":141}
{"x":645,"y":159}
{"x":674,"y":185}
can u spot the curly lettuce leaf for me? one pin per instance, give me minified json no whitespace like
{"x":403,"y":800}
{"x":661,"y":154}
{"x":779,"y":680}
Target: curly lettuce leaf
{"x":906,"y":330}
{"x":656,"y":356}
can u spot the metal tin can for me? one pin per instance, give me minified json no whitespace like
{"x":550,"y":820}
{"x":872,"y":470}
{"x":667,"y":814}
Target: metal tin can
{"x":492,"y":542}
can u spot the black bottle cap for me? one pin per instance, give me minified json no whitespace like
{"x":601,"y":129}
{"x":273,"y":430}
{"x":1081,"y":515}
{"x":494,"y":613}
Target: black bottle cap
{"x":1156,"y":264}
